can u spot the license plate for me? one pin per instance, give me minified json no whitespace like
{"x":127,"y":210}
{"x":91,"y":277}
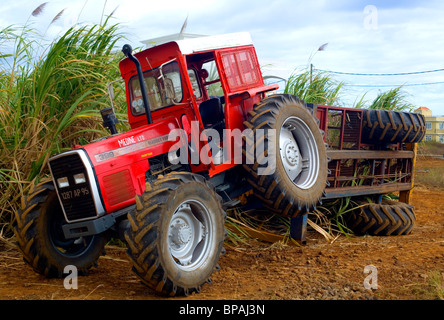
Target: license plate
{"x":76,"y":193}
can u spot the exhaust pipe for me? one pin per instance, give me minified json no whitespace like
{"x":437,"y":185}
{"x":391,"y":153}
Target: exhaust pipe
{"x":127,"y":51}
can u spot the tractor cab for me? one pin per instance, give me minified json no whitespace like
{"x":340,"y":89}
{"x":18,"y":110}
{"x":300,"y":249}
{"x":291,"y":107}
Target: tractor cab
{"x":212,"y":80}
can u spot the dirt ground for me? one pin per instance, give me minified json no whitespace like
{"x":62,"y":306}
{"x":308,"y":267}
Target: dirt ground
{"x":407,"y":267}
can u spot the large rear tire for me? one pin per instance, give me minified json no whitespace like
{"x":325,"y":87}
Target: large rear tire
{"x":38,"y":230}
{"x":176,"y":234}
{"x":389,"y":218}
{"x":295,"y":184}
{"x":385,"y":126}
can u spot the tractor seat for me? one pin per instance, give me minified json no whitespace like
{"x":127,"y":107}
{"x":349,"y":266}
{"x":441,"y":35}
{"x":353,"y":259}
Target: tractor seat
{"x":212,"y":114}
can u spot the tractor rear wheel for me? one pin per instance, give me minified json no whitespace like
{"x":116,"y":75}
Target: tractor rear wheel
{"x":176,"y":234}
{"x":389,"y":218}
{"x":292,"y":180}
{"x":38,"y":230}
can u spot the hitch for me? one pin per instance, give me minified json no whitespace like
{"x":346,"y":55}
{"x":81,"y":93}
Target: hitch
{"x":127,"y":51}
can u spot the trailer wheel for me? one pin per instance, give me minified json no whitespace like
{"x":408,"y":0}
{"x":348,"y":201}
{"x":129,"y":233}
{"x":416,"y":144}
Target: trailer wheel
{"x":390,"y":218}
{"x":176,"y":234}
{"x":38,"y":230}
{"x":293,"y":178}
{"x":385,"y":126}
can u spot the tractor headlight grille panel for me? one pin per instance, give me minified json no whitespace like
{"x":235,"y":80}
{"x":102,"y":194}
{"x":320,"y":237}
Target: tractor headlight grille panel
{"x":76,"y":186}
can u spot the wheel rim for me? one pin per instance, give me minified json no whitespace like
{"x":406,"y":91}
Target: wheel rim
{"x":190,"y":235}
{"x":299,"y":152}
{"x":71,"y":248}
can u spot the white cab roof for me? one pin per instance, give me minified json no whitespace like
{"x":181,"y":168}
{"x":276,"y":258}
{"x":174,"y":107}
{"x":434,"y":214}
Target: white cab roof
{"x":204,"y":43}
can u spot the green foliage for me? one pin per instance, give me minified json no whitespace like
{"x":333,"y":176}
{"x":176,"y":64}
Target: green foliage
{"x":430,"y":148}
{"x":431,"y":177}
{"x":393,"y":99}
{"x":50,"y":97}
{"x":333,"y":213}
{"x":432,"y":289}
{"x":437,"y":283}
{"x":322,"y":89}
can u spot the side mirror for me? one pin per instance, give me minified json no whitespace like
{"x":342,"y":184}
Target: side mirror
{"x":109,"y":119}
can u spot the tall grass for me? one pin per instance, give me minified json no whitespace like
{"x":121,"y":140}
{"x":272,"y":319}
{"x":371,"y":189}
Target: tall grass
{"x":393,"y":99}
{"x":431,"y":177}
{"x":322,"y":88}
{"x":431,"y":148}
{"x":50,"y":96}
{"x":318,"y":88}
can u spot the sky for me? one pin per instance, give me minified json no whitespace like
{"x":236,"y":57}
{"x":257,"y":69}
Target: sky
{"x":363,"y":37}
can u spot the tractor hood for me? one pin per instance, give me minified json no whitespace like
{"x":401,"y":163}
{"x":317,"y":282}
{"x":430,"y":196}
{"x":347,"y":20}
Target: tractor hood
{"x":113,"y":168}
{"x":131,"y":147}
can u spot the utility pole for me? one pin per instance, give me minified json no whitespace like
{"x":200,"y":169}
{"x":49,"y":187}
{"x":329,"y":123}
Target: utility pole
{"x":321,"y":48}
{"x":311,"y":73}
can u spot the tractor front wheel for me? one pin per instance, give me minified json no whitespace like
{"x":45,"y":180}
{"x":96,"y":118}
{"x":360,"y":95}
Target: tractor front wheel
{"x":38,"y":230}
{"x":176,"y":234}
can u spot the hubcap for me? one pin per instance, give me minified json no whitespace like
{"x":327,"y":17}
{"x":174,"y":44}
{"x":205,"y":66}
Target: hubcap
{"x":189,"y":235}
{"x":299,"y":152}
{"x":291,"y":154}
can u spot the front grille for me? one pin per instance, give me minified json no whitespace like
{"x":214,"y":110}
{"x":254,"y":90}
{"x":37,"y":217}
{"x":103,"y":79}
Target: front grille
{"x":77,"y":199}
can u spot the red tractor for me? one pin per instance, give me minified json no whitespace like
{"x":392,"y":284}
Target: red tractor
{"x":203,"y":133}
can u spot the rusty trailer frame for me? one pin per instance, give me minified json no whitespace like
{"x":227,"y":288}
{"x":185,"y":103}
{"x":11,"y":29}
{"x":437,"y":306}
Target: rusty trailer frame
{"x":358,"y":169}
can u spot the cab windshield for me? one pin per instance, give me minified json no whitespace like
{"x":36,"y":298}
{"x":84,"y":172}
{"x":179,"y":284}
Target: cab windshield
{"x":156,"y":86}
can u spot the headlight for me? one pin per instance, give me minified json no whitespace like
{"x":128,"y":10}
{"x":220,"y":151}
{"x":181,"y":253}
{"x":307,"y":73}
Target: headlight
{"x":79,"y":178}
{"x":63,"y":182}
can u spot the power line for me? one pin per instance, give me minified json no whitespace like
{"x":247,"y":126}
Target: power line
{"x":393,"y":85}
{"x":380,"y":74}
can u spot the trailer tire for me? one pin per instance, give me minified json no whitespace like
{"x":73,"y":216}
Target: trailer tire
{"x":39,"y":235}
{"x":385,"y":126}
{"x":292,"y":180}
{"x":390,"y":218}
{"x":176,"y":234}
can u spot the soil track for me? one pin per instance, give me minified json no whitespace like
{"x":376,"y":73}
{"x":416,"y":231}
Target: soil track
{"x":408,"y":267}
